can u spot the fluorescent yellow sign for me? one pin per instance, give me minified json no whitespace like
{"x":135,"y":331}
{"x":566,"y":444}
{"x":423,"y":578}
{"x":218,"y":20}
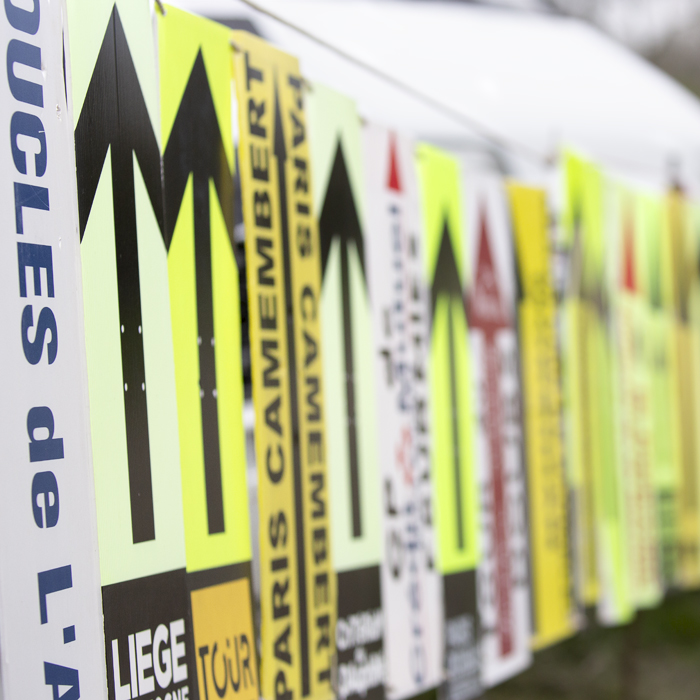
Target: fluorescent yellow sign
{"x":679,"y":284}
{"x":665,"y":457}
{"x":456,"y":501}
{"x":554,"y":613}
{"x":578,"y":390}
{"x":591,"y":405}
{"x":195,"y":81}
{"x":635,"y":416}
{"x":452,"y":419}
{"x":284,"y":292}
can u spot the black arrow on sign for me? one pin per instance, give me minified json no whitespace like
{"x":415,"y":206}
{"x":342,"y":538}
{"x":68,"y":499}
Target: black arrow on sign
{"x":280,"y":151}
{"x":195,"y":146}
{"x":339,"y":220}
{"x":447,"y":282}
{"x":115,"y":117}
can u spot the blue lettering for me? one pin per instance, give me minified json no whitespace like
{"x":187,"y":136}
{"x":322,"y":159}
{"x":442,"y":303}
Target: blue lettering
{"x":23,"y":20}
{"x":37,"y":257}
{"x":52,"y":581}
{"x":31,"y":197}
{"x":49,"y":447}
{"x":45,"y":484}
{"x":21,"y":89}
{"x":57,"y":676}
{"x":24,"y":124}
{"x":33,"y":349}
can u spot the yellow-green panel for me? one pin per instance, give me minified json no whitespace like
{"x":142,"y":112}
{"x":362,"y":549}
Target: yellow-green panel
{"x":195,"y":81}
{"x":181,"y":36}
{"x":452,"y":412}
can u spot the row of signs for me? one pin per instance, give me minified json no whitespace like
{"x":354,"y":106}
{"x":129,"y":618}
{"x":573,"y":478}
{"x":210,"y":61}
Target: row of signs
{"x":630,"y":301}
{"x":454,"y":452}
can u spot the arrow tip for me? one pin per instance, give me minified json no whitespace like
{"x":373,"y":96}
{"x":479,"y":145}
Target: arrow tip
{"x":279,"y":146}
{"x":394,"y":182}
{"x":629,"y":281}
{"x":485,"y":302}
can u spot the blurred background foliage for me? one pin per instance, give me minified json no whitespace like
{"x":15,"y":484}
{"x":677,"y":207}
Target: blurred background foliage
{"x":656,"y":657}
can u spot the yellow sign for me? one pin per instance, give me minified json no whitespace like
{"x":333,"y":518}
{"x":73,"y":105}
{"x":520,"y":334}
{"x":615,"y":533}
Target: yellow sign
{"x":661,"y":358}
{"x":554,"y":614}
{"x":456,"y":492}
{"x":635,"y":414}
{"x":679,"y":284}
{"x":692,"y":254}
{"x":224,"y":642}
{"x":195,"y":83}
{"x":578,"y":391}
{"x":284,"y":291}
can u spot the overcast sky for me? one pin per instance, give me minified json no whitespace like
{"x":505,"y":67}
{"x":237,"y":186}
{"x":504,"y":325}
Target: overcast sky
{"x":641,"y":23}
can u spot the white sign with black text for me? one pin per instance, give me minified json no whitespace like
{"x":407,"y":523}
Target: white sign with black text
{"x":411,"y":585}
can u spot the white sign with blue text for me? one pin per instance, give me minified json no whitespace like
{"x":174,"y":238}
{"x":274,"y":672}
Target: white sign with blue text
{"x":50,"y":607}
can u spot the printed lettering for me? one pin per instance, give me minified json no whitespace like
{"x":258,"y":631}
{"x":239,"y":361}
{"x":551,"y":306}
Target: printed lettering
{"x":162,"y":666}
{"x":251,"y":73}
{"x":278,"y":530}
{"x":319,"y":545}
{"x":319,"y":510}
{"x":265,"y":280}
{"x":62,"y":677}
{"x":281,"y":692}
{"x":314,"y":409}
{"x":260,"y":162}
{"x":263,"y":210}
{"x":29,"y":125}
{"x":29,"y":197}
{"x":23,"y":20}
{"x":37,"y":258}
{"x":45,"y":484}
{"x":269,"y":378}
{"x":33,"y":349}
{"x":275,"y":474}
{"x":255,"y":114}
{"x":43,"y":449}
{"x":279,"y":607}
{"x":321,"y":589}
{"x":282,"y":651}
{"x":21,"y":89}
{"x":272,"y":416}
{"x":315,"y":447}
{"x":267,"y":306}
{"x":177,"y":651}
{"x":301,"y":184}
{"x":52,"y":581}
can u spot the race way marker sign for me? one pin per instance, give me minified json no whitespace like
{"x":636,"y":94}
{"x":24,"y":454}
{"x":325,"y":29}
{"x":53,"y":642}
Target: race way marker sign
{"x":503,"y":580}
{"x":283,"y":260}
{"x":678,"y":283}
{"x":51,"y":622}
{"x":336,"y":151}
{"x":196,"y":72}
{"x":584,"y":222}
{"x":634,"y":403}
{"x":411,"y":583}
{"x":131,"y":369}
{"x":554,"y":610}
{"x":660,"y":326}
{"x":580,"y":413}
{"x":456,"y":500}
